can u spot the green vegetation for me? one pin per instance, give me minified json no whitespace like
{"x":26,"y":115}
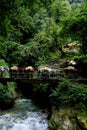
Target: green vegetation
{"x":4,"y":94}
{"x":81,"y":62}
{"x":3,"y":63}
{"x":7,"y":91}
{"x":37,"y":32}
{"x":81,"y":59}
{"x":77,"y":26}
{"x":69,"y":94}
{"x":29,"y":30}
{"x":6,"y":97}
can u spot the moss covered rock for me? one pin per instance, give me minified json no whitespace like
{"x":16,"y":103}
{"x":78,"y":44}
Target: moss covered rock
{"x":63,"y":119}
{"x":82,"y":120}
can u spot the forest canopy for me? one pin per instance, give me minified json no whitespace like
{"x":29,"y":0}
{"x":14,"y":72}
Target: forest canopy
{"x":31,"y":30}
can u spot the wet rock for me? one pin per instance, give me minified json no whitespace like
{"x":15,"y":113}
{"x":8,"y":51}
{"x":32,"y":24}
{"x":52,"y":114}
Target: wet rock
{"x":9,"y":127}
{"x":3,"y":128}
{"x":63,"y":119}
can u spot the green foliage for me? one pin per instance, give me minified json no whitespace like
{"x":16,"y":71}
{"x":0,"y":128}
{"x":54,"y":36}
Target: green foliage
{"x":81,"y":63}
{"x":4,"y":94}
{"x":60,"y":9}
{"x":12,"y":52}
{"x":6,"y":7}
{"x":54,"y":55}
{"x":2,"y":48}
{"x":81,"y":59}
{"x":69,"y":94}
{"x":75,"y":3}
{"x":7,"y":94}
{"x":30,"y":29}
{"x":12,"y":87}
{"x":29,"y":53}
{"x":76,"y":26}
{"x":3,"y":63}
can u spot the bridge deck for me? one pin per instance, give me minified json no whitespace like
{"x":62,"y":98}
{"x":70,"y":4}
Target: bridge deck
{"x":29,"y":77}
{"x":5,"y":80}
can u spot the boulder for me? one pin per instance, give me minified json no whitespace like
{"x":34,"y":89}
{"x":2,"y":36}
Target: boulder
{"x":82,"y":121}
{"x":63,"y":119}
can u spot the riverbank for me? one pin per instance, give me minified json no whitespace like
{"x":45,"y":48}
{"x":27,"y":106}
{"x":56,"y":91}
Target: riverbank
{"x":68,"y":118}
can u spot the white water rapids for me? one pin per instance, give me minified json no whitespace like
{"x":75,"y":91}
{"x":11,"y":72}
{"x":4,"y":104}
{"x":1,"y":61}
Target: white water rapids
{"x":24,"y":116}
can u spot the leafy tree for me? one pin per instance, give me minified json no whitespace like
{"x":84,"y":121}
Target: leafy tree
{"x":12,"y":52}
{"x":29,"y":54}
{"x":6,"y":7}
{"x":60,"y":9}
{"x":30,"y":29}
{"x":69,"y":94}
{"x":22,"y":24}
{"x":76,"y":26}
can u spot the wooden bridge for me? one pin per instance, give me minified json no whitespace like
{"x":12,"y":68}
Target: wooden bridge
{"x":29,"y":77}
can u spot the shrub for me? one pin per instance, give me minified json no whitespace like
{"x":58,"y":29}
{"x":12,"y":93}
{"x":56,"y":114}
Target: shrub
{"x":81,"y":62}
{"x":68,"y":93}
{"x":81,"y":59}
{"x":4,"y":94}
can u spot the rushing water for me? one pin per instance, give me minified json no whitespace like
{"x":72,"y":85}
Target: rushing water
{"x":24,"y":116}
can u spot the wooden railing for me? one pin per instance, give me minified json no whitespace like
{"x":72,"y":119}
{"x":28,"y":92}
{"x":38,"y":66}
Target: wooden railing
{"x":30,"y":75}
{"x":35,"y":75}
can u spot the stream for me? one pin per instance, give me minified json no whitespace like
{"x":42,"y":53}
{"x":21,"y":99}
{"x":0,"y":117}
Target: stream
{"x":24,"y":116}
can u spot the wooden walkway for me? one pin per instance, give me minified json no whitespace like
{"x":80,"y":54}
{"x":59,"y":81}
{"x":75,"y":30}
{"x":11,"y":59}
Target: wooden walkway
{"x":30,"y":77}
